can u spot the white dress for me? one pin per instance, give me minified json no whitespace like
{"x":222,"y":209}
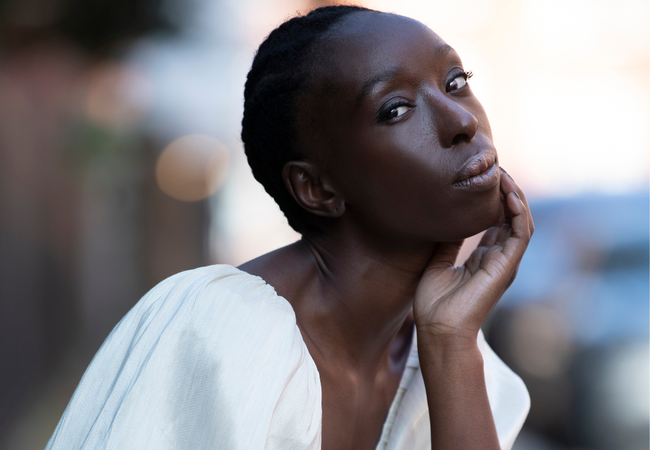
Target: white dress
{"x":212,"y":358}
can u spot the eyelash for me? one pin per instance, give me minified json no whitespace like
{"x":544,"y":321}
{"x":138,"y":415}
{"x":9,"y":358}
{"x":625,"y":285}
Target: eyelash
{"x":465,"y":74}
{"x":384,"y":114}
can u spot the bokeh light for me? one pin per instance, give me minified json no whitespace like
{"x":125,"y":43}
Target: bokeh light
{"x":192,"y":167}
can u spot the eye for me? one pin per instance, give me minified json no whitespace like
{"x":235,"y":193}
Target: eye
{"x":459,"y":81}
{"x":394,"y":111}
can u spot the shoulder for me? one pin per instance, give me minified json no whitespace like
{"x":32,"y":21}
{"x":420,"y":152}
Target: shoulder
{"x":215,"y":314}
{"x":209,"y":301}
{"x":217,"y":286}
{"x":206,"y":350}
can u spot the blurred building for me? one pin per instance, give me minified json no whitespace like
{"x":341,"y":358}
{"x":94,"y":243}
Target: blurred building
{"x":84,"y":229}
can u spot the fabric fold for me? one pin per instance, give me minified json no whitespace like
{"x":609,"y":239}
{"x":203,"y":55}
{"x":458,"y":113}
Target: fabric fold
{"x":213,"y":358}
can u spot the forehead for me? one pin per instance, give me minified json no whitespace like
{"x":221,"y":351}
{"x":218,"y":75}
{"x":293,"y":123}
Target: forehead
{"x":367,"y":44}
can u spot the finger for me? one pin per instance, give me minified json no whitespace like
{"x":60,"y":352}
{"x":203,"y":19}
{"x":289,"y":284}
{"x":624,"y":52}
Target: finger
{"x":504,"y":196}
{"x":504,"y":215}
{"x":522,"y":196}
{"x":512,"y":278}
{"x":445,"y":254}
{"x":508,"y":185}
{"x":489,"y":238}
{"x":515,"y":245}
{"x":473,"y":263}
{"x":504,"y":232}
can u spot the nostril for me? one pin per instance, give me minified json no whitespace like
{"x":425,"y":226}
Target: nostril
{"x":458,"y":138}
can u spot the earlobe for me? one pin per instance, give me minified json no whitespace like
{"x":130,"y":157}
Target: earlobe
{"x":311,"y":190}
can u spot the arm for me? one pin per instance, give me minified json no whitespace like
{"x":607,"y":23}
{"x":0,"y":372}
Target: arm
{"x":450,"y":306}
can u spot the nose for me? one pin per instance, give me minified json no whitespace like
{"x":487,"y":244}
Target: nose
{"x":453,"y":122}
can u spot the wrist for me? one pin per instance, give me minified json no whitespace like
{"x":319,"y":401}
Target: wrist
{"x":449,"y":357}
{"x":447,"y":337}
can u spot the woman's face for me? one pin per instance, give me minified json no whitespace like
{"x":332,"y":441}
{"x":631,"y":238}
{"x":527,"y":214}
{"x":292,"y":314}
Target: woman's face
{"x":393,"y":124}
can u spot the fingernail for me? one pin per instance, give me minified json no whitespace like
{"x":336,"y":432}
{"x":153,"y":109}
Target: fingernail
{"x":502,"y":170}
{"x":515,"y":192}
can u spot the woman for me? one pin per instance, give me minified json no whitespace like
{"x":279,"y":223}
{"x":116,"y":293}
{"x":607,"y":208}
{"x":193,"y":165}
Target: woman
{"x":363,"y":128}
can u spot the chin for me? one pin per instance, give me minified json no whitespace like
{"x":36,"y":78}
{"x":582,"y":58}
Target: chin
{"x":491,"y":214}
{"x":487,"y":213}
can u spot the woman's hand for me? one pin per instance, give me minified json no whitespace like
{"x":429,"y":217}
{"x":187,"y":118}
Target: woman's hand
{"x":451,"y":303}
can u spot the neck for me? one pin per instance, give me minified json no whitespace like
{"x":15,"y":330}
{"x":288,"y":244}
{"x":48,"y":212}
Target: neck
{"x":352,"y":298}
{"x":360,"y":298}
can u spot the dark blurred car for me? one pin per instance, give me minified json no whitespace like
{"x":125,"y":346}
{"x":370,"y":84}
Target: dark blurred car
{"x":574,"y":325}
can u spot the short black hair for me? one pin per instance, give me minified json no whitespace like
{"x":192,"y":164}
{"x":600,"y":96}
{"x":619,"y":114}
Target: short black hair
{"x":279,"y":74}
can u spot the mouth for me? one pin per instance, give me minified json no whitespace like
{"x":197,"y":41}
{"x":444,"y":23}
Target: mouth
{"x":479,"y":172}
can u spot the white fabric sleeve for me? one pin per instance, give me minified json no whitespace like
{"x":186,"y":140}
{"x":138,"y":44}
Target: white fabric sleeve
{"x":509,"y":402}
{"x":208,"y":359}
{"x":509,"y":399}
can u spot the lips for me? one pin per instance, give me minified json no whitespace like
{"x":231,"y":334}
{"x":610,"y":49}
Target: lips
{"x":479,"y":171}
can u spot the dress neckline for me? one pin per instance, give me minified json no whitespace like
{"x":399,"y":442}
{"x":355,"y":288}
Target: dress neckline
{"x":411,"y":367}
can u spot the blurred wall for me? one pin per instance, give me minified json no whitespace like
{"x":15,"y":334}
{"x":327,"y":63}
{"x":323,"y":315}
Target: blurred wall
{"x":84,"y":228}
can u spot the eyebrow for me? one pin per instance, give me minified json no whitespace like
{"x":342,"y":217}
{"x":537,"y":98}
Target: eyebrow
{"x":440,"y":52}
{"x":380,"y":78}
{"x":444,"y":50}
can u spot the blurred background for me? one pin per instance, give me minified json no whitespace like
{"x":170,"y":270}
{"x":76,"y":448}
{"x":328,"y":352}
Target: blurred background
{"x":121,"y":164}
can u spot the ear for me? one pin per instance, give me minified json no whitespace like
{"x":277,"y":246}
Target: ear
{"x":311,"y":190}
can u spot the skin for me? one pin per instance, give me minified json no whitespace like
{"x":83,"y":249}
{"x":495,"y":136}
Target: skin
{"x":382,"y":175}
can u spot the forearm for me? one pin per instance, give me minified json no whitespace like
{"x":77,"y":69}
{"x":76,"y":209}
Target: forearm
{"x":450,"y":305}
{"x":456,"y":393}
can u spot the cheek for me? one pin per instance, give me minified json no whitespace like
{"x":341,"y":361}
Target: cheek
{"x":428,"y":216}
{"x":398,"y":181}
{"x":401,"y":169}
{"x":396,"y":174}
{"x":399,"y":197}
